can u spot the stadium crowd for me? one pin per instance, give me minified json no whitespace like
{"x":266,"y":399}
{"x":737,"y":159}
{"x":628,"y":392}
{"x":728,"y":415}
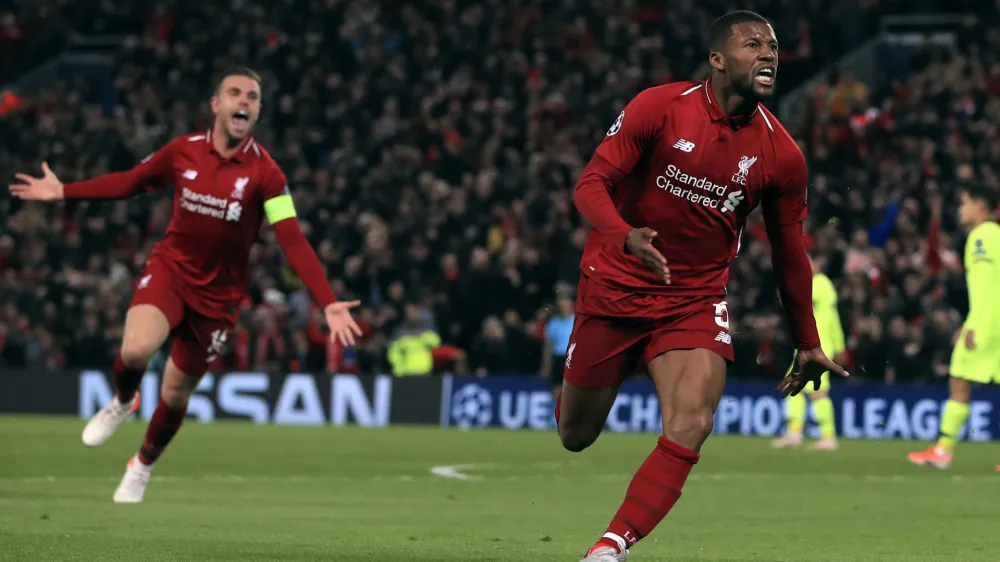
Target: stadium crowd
{"x":433,"y":150}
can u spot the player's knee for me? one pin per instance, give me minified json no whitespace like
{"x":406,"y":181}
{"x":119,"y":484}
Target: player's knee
{"x":960,"y":390}
{"x":576,"y":438}
{"x":136,"y":353}
{"x":690,"y":428}
{"x":175,"y":395}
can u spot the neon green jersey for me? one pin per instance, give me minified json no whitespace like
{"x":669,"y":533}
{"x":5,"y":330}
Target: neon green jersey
{"x":982,"y":273}
{"x":831,"y":332}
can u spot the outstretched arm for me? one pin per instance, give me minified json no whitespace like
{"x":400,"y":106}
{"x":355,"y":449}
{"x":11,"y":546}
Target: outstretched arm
{"x":791,"y":265}
{"x":151,"y":173}
{"x":304,"y":261}
{"x":280,"y":211}
{"x":784,"y":212}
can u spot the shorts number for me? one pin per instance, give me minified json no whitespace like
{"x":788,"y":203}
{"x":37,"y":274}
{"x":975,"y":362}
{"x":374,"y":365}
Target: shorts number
{"x":219,"y":338}
{"x":722,"y":315}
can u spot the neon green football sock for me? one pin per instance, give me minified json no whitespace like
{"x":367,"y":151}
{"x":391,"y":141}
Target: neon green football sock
{"x":823,"y":410}
{"x":952,"y":419}
{"x":795,"y":408}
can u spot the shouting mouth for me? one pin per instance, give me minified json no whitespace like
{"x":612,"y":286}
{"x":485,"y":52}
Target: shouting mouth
{"x":765,"y":76}
{"x":241,"y":116}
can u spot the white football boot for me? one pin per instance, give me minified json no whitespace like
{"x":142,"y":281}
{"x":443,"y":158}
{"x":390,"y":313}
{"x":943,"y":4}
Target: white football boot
{"x":133,"y":484}
{"x":105,"y":422}
{"x":605,"y":553}
{"x":789,"y":440}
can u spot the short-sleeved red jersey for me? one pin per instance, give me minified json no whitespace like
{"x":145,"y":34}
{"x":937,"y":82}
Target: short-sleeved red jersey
{"x":673,"y":161}
{"x":218,"y":209}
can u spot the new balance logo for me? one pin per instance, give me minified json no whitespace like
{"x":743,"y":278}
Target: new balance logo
{"x":144,"y":282}
{"x":190,"y":174}
{"x":724,"y":338}
{"x":684,"y":146}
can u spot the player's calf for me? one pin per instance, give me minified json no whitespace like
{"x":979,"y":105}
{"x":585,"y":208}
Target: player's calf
{"x":175,"y":392}
{"x":689,"y":384}
{"x":167,"y":419}
{"x":146,"y":328}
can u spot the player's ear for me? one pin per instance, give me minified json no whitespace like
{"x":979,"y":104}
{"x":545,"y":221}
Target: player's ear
{"x":214,"y":103}
{"x":717,"y":61}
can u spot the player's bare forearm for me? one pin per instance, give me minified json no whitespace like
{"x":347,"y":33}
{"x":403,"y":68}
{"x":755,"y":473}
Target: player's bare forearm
{"x":304,"y":261}
{"x":791,"y":265}
{"x":119,"y":185}
{"x":592,"y":197}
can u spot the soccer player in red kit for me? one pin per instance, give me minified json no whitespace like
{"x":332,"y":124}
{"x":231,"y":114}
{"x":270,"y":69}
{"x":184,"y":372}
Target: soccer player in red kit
{"x":225,"y":184}
{"x":668,"y":192}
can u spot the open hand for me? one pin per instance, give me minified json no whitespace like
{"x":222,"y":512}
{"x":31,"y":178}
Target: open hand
{"x":342,"y":326}
{"x":809,"y":367}
{"x":640,"y":243}
{"x":46,"y":188}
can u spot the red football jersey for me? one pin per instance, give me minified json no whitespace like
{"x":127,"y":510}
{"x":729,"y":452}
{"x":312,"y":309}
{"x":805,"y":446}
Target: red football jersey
{"x":673,"y":161}
{"x":218,"y":209}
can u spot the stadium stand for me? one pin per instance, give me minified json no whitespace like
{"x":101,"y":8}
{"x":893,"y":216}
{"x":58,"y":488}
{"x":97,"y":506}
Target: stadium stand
{"x":433,"y":150}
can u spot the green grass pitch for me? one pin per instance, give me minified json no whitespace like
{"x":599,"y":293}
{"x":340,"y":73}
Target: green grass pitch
{"x":238,"y":492}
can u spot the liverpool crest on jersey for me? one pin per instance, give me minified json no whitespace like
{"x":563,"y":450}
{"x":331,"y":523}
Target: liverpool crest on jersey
{"x":240,"y":188}
{"x":744,"y":164}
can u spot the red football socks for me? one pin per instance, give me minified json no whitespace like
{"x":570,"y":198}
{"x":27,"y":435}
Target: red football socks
{"x":162,"y":428}
{"x":654,"y":490}
{"x":126,"y":379}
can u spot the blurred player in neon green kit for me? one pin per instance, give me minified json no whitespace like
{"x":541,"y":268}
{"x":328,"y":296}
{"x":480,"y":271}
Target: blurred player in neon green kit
{"x":976,"y":358}
{"x":831,"y":338}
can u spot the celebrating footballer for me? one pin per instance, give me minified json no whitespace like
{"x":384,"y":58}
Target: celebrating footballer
{"x":225,"y":184}
{"x":668,"y":192}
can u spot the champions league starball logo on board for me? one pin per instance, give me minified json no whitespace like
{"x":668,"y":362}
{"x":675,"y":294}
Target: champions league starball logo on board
{"x":472,"y":406}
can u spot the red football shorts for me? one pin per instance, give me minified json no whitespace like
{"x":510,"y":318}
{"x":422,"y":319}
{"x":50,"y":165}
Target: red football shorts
{"x":198,"y":339}
{"x":615,"y":332}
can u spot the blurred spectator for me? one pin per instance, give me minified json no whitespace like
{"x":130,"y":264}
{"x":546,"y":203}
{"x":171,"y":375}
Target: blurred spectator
{"x":492,"y":352}
{"x":556,"y":346}
{"x":413,"y":343}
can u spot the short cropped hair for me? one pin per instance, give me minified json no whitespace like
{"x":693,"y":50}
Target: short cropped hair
{"x":722,"y":28}
{"x":987,"y":195}
{"x":238,"y":71}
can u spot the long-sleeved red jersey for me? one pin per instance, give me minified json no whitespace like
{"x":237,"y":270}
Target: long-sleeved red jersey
{"x":676,"y":163}
{"x":219,"y":204}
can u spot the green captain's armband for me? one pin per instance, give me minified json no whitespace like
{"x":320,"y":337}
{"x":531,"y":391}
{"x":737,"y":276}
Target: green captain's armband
{"x":279,"y":208}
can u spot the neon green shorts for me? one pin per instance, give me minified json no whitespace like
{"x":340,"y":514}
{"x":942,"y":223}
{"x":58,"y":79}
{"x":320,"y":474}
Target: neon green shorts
{"x":980,"y":365}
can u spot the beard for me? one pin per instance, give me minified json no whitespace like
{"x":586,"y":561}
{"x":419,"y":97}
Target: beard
{"x":750,"y":89}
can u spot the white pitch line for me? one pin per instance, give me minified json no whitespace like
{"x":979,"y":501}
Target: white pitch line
{"x":457,"y":471}
{"x":460,"y":472}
